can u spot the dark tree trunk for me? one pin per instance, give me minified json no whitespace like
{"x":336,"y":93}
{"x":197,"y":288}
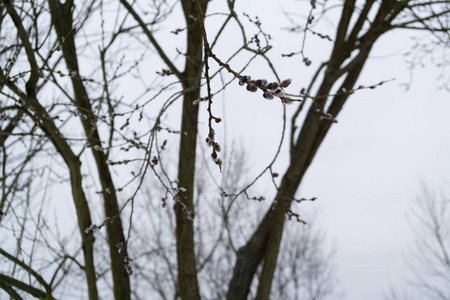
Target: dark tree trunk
{"x":187,"y":269}
{"x":308,"y":141}
{"x":62,"y":20}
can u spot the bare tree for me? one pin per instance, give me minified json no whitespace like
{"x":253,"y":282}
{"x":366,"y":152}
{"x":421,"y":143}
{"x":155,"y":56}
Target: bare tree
{"x":353,"y":42}
{"x":428,"y":258}
{"x":305,"y":269}
{"x":68,"y":64}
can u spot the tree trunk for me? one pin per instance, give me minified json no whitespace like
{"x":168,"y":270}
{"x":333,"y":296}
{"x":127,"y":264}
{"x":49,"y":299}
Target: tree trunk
{"x":62,"y":20}
{"x":187,"y":270}
{"x":40,"y":116}
{"x":309,"y":139}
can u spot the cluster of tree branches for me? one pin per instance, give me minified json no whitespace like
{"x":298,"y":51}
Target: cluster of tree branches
{"x":72,"y":63}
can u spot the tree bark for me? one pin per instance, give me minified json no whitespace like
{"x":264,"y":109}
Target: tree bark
{"x":187,"y":267}
{"x":62,"y":20}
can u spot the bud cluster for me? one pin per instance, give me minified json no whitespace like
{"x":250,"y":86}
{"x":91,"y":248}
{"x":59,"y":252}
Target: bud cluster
{"x":210,"y":141}
{"x":325,"y":116}
{"x":292,"y":214}
{"x":120,"y":246}
{"x":261,"y":198}
{"x":190,"y":215}
{"x":307,"y":61}
{"x":270,"y":89}
{"x":305,"y":199}
{"x":164,"y":72}
{"x":128,"y":265}
{"x":92,"y":228}
{"x":95,"y":227}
